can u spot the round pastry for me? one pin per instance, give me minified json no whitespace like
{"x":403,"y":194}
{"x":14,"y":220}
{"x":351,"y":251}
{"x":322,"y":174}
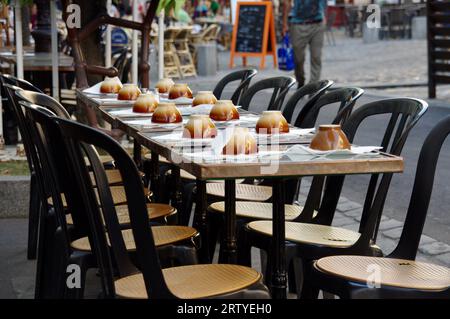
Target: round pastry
{"x":199,"y":126}
{"x":110,"y":85}
{"x":330,"y":137}
{"x":224,"y":110}
{"x":163,"y":86}
{"x":204,"y":97}
{"x":166,"y":113}
{"x":272,"y":122}
{"x":241,"y":142}
{"x":129,"y":92}
{"x":180,"y":90}
{"x":145,"y":103}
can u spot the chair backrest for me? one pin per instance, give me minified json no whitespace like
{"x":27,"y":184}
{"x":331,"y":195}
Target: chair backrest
{"x":279,"y":85}
{"x":43,"y":100}
{"x":75,"y":136}
{"x":23,"y":84}
{"x":54,"y":241}
{"x":421,"y":194}
{"x":119,"y":63}
{"x":10,"y":90}
{"x":315,"y":90}
{"x":404,"y":113}
{"x":346,"y":97}
{"x":211,"y":33}
{"x":244,"y":76}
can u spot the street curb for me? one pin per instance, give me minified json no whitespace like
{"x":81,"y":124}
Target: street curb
{"x":14,"y":192}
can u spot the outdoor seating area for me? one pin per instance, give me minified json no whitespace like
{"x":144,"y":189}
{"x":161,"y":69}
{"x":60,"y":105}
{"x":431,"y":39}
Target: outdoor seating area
{"x":135,"y":221}
{"x":149,"y":150}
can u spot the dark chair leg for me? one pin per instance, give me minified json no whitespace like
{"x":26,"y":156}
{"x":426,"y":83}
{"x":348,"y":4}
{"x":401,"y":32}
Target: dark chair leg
{"x":309,"y":290}
{"x":188,"y":202}
{"x":33,"y":219}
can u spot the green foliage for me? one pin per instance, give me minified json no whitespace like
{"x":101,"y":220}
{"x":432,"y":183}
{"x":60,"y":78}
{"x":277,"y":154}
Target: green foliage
{"x":167,"y":5}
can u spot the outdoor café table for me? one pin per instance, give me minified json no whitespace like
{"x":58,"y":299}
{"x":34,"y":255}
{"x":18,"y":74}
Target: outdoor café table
{"x":39,"y":61}
{"x":287,"y":167}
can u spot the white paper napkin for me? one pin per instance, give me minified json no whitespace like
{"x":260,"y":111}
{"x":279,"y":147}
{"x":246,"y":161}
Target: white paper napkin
{"x":355,"y":150}
{"x":129,"y":113}
{"x":177,"y":137}
{"x":180,"y":100}
{"x":113,"y":101}
{"x":294,"y":133}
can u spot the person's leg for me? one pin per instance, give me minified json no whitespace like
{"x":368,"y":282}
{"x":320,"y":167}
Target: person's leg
{"x":299,"y":40}
{"x":315,"y":47}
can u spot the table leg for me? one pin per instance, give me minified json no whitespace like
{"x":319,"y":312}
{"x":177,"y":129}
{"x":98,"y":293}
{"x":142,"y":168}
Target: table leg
{"x":137,"y":154}
{"x":278,"y":282}
{"x":177,"y":200}
{"x":229,"y":251}
{"x":154,"y":178}
{"x":201,"y":221}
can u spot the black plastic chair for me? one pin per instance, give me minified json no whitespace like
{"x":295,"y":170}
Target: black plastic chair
{"x":244,"y":76}
{"x":315,"y":90}
{"x":280,"y":87}
{"x":34,"y":205}
{"x":152,"y":282}
{"x":175,"y":243}
{"x":54,"y":251}
{"x":401,"y":261}
{"x":346,"y":97}
{"x":404,"y":114}
{"x":23,"y":84}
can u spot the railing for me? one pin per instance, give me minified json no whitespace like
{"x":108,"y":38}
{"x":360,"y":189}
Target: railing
{"x":76,"y":36}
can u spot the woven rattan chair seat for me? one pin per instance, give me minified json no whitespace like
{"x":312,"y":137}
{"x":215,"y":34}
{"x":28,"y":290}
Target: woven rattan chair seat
{"x":393,"y":272}
{"x":310,"y":233}
{"x":257,"y":210}
{"x":117,"y":192}
{"x":163,"y":235}
{"x":195,"y":281}
{"x":154,"y":210}
{"x":247,"y":192}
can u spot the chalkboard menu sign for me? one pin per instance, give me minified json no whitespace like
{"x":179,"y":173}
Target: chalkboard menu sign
{"x":250,"y":29}
{"x":253,"y":32}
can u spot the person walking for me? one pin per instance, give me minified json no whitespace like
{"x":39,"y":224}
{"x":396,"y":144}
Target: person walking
{"x":305,"y":20}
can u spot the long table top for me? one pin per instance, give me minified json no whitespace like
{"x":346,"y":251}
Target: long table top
{"x":279,"y":162}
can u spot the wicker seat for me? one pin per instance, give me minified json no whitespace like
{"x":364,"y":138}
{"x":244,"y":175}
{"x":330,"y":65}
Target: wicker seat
{"x":188,"y":176}
{"x":113,"y":176}
{"x":163,"y":235}
{"x":155,"y":211}
{"x":400,"y":273}
{"x":247,"y":192}
{"x":117,"y":192}
{"x":257,"y":210}
{"x":195,"y":281}
{"x":322,"y":235}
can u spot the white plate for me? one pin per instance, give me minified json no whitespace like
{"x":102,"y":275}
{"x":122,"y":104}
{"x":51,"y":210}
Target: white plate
{"x":355,"y":150}
{"x":95,"y":90}
{"x":129,"y":113}
{"x":180,"y":100}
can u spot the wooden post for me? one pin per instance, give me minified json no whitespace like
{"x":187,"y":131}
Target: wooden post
{"x":55,"y":54}
{"x":134,"y":47}
{"x":108,"y":37}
